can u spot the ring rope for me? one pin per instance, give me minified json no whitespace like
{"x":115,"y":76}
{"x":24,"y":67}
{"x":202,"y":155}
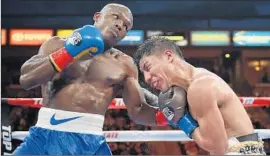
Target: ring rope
{"x":137,"y":136}
{"x":118,"y":103}
{"x":144,"y":136}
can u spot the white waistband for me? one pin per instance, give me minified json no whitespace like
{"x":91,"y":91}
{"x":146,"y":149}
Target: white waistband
{"x":232,"y":142}
{"x":235,"y":145}
{"x":70,"y":121}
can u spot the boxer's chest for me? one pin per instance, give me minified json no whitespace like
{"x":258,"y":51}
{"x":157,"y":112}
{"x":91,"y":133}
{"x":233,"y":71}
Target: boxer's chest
{"x":101,"y":69}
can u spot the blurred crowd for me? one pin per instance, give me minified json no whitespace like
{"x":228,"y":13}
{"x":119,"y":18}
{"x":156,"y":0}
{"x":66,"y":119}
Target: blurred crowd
{"x":21,"y":118}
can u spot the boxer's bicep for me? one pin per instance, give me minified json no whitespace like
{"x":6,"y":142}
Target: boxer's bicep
{"x":211,"y":128}
{"x":138,"y":110}
{"x":211,"y":133}
{"x":38,"y":69}
{"x":131,"y":93}
{"x":132,"y":70}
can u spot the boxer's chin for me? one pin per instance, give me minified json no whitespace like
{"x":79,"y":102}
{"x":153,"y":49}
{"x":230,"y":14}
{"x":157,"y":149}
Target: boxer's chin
{"x":162,"y":86}
{"x":166,"y":86}
{"x":109,"y":39}
{"x":164,"y":89}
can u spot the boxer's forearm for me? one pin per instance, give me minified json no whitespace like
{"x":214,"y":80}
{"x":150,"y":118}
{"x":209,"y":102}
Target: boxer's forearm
{"x":35,"y":72}
{"x":145,"y":115}
{"x":38,"y":70}
{"x":138,"y":110}
{"x":215,"y":146}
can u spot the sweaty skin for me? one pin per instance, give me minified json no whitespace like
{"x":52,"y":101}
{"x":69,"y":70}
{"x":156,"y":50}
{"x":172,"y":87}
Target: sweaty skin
{"x":215,"y":106}
{"x":89,"y":84}
{"x":222,"y":114}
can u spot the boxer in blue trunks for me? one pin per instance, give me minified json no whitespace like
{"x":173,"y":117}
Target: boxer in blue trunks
{"x":80,"y":76}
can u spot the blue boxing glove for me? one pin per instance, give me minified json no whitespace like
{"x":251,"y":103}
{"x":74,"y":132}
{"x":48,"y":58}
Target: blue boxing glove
{"x":173,"y":104}
{"x":83,"y":40}
{"x":188,"y":124}
{"x":87,"y":39}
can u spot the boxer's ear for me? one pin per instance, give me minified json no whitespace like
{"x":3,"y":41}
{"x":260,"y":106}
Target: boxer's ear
{"x":169,"y":55}
{"x":96,"y":16}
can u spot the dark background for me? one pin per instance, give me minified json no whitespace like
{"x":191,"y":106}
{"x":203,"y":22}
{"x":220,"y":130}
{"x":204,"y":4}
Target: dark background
{"x":182,"y":14}
{"x":247,"y":71}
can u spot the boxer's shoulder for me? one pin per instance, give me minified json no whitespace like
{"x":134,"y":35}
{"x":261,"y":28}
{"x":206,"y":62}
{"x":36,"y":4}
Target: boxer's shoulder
{"x":129,"y":64}
{"x":114,"y":51}
{"x":203,"y":82}
{"x":56,"y":39}
{"x":202,"y":89}
{"x":124,"y":58}
{"x":121,"y":60}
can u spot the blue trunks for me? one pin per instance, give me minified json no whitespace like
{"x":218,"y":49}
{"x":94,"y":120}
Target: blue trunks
{"x":60,"y":132}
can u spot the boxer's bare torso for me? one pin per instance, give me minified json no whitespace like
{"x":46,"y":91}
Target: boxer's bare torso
{"x":236,"y":120}
{"x":220,"y":117}
{"x":87,"y":85}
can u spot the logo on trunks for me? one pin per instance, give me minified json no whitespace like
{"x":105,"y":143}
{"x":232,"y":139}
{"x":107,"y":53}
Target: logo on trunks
{"x":54,"y":121}
{"x":252,"y":149}
{"x":168,"y":112}
{"x":75,"y":39}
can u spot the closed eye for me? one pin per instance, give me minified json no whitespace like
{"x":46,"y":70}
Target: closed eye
{"x":147,"y":66}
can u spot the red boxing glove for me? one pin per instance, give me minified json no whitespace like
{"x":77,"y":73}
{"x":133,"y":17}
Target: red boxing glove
{"x":160,"y":118}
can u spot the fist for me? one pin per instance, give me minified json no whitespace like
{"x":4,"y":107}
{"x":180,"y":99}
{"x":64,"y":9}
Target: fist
{"x":84,"y":40}
{"x":173,"y":104}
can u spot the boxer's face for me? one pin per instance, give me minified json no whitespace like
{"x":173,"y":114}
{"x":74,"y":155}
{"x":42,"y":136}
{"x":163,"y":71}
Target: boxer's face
{"x":114,"y":23}
{"x":156,"y":69}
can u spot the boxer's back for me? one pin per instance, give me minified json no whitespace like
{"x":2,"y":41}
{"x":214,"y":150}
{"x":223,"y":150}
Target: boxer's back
{"x":88,"y":85}
{"x":236,"y":119}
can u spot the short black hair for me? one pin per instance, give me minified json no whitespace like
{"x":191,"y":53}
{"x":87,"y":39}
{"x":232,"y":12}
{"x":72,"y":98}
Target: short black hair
{"x":156,"y":44}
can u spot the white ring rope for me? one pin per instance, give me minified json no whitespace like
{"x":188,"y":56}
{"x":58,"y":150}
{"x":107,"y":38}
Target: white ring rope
{"x":143,"y":136}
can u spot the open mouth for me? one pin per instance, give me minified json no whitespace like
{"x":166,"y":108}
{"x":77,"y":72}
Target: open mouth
{"x":154,"y":84}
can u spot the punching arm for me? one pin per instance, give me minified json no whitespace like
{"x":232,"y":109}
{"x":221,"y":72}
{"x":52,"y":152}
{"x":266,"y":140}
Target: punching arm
{"x":141,"y":104}
{"x":38,"y":69}
{"x":139,"y":111}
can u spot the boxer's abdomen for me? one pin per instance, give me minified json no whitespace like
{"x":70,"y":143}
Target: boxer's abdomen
{"x":88,"y":86}
{"x":83,"y":97}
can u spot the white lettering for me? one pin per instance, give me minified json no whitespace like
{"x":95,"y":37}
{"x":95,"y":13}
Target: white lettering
{"x":248,"y":101}
{"x":6,"y":135}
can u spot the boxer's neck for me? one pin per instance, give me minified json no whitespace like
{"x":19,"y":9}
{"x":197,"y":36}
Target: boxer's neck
{"x":107,"y":47}
{"x":183,"y":74}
